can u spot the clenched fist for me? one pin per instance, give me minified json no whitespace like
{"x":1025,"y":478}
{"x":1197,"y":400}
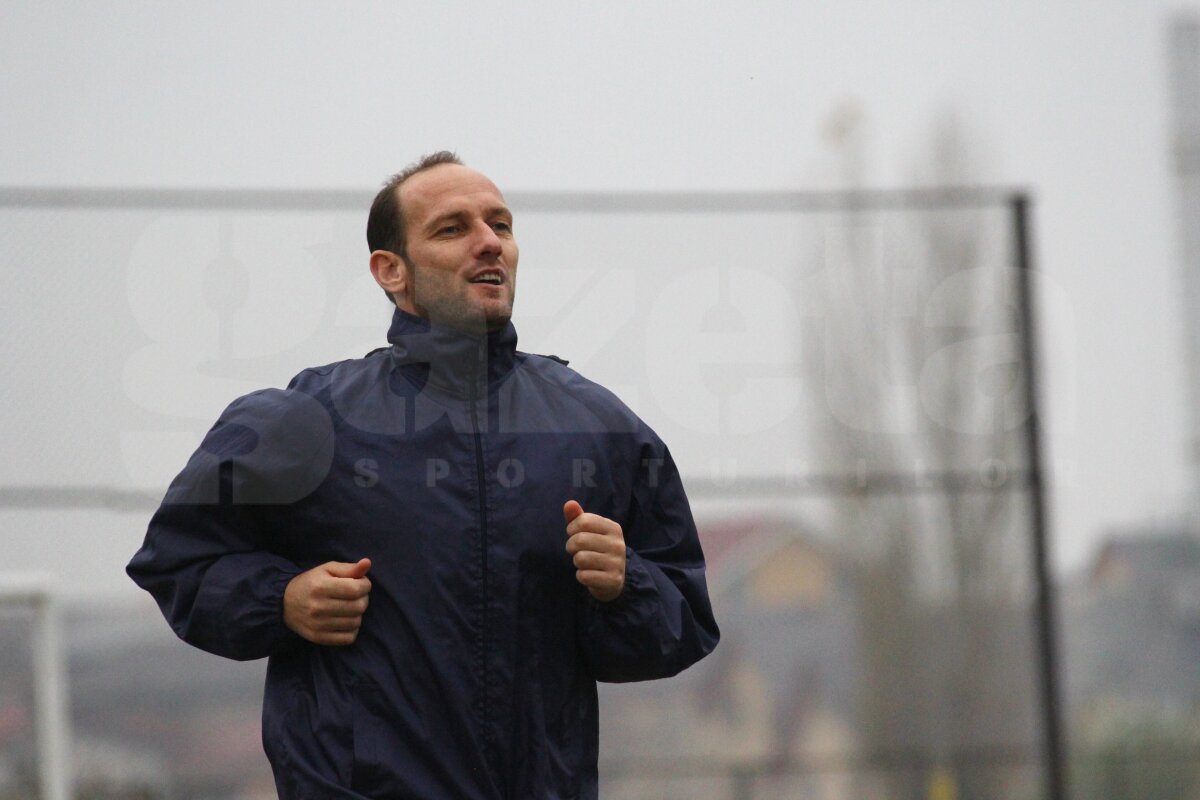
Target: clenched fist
{"x":597,"y":548}
{"x":325,"y":604}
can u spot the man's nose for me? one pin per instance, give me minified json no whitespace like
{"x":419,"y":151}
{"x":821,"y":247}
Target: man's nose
{"x":487,"y":242}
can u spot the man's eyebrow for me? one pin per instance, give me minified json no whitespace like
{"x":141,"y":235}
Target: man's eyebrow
{"x":438,"y":220}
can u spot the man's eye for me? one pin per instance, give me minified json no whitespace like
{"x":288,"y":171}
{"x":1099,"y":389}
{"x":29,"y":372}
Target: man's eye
{"x":502,"y":226}
{"x":448,"y":230}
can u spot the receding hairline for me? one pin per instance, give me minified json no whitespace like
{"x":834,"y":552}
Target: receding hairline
{"x":385,"y":221}
{"x":417,"y":177}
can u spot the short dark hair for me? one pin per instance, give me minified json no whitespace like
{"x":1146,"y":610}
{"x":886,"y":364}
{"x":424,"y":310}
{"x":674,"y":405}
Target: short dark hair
{"x":385,"y":224}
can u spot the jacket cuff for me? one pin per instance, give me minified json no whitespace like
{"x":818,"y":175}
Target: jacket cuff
{"x":630,"y":606}
{"x":277,"y":586}
{"x":240,"y":607}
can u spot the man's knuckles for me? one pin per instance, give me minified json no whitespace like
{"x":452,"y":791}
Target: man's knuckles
{"x":594,"y":542}
{"x":341,"y":608}
{"x":593,"y":523}
{"x":593,"y":560}
{"x":584,"y":522}
{"x":344,"y":588}
{"x":342,"y":624}
{"x":602,"y":586}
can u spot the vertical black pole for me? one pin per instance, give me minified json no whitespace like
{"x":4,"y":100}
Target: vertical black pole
{"x":1056,"y":787}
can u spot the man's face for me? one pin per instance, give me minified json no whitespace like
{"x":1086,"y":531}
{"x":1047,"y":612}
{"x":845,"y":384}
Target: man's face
{"x":462,"y":257}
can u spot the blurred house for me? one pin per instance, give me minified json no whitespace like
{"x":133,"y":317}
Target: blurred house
{"x":197,"y":715}
{"x":1131,"y":627}
{"x":784,"y":705}
{"x":1131,"y":635}
{"x":780,"y":690}
{"x":151,"y":717}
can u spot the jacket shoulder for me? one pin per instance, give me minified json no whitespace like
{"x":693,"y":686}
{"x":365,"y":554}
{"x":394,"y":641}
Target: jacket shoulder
{"x":279,"y":442}
{"x":312,"y":380}
{"x":279,"y":416}
{"x":297,"y":415}
{"x":602,"y":404}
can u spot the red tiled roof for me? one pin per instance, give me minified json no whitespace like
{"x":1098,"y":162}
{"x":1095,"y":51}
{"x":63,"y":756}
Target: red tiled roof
{"x":723,"y":538}
{"x":14,"y":722}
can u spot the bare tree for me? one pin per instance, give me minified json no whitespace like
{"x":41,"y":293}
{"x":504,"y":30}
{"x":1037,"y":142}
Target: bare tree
{"x":918,"y":358}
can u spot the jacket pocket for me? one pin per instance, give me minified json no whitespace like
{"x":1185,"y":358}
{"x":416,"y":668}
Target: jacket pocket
{"x":391,"y":747}
{"x":566,"y":730}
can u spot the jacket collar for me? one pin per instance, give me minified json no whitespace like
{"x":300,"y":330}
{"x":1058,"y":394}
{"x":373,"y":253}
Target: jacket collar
{"x":456,"y":362}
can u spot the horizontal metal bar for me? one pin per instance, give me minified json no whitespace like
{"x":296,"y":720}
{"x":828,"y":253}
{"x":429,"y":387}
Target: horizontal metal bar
{"x":118,"y":499}
{"x":149,"y":199}
{"x":99,"y":199}
{"x":883,"y":761}
{"x":863,"y":484}
{"x":78,"y":497}
{"x":33,"y":589}
{"x":760,"y":202}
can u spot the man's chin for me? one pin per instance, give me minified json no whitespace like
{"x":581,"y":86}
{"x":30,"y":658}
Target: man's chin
{"x":491,"y":316}
{"x":475,"y":321}
{"x":498,"y":317}
{"x":496,"y":323}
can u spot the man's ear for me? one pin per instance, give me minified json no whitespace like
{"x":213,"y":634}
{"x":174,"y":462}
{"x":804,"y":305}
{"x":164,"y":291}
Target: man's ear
{"x":390,"y":272}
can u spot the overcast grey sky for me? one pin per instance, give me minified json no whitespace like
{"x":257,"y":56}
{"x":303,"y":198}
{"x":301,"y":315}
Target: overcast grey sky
{"x":1067,"y":99}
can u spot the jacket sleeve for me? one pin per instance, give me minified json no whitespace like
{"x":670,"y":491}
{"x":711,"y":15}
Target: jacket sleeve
{"x":662,"y":622}
{"x":206,"y":558}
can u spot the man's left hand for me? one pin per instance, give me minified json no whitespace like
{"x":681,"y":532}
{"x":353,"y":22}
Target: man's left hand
{"x":597,"y":548}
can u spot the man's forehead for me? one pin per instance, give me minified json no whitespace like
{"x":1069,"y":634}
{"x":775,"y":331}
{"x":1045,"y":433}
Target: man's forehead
{"x":434,"y":188}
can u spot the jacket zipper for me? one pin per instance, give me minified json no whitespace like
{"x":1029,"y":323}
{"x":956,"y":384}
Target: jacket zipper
{"x":483,"y":555}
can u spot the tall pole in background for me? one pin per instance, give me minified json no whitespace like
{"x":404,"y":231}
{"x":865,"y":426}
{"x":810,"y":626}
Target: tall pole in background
{"x":1185,"y":151}
{"x":1053,"y":738}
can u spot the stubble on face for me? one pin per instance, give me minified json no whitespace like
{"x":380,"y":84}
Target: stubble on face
{"x":435,"y":296}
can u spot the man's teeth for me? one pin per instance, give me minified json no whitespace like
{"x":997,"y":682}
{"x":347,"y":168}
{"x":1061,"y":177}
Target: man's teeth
{"x":487,"y":279}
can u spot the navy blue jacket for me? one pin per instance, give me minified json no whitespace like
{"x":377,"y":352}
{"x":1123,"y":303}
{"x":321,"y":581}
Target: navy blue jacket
{"x":446,"y":460}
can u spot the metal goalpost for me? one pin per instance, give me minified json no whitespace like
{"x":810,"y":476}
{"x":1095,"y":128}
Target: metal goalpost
{"x":36,"y":594}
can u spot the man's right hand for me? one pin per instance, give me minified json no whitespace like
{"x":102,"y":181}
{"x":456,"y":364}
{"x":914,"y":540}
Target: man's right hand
{"x":325,"y":604}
